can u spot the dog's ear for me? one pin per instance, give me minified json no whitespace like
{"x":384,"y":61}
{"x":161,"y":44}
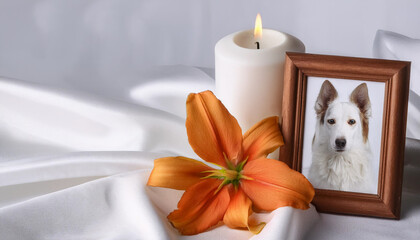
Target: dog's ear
{"x":360,"y":97}
{"x":326,"y":95}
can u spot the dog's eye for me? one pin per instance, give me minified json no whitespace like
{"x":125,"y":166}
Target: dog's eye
{"x":351,"y":121}
{"x":331,"y":121}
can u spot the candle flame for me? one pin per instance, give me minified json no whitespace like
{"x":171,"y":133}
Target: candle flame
{"x":258,"y":27}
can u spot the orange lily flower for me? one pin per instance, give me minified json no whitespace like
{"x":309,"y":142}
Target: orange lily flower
{"x":246,"y":180}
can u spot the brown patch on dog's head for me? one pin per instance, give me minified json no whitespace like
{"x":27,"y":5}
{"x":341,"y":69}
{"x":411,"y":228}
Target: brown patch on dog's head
{"x":326,"y":95}
{"x":360,"y":97}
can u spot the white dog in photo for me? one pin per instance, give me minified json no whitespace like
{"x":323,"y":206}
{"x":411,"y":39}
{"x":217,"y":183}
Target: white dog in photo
{"x":341,"y":155}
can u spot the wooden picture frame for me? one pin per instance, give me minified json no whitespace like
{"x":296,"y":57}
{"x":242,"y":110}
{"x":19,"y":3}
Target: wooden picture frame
{"x":300,"y":67}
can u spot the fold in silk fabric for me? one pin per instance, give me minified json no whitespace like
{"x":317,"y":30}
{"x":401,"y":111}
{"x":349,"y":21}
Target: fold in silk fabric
{"x":391,"y":45}
{"x":74,"y":162}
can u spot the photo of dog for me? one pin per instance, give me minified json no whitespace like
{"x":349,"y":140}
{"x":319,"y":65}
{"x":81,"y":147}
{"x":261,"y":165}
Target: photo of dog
{"x":341,"y":152}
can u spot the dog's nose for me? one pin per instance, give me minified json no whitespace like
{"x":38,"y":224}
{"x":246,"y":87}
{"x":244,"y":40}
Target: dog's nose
{"x":340,"y":143}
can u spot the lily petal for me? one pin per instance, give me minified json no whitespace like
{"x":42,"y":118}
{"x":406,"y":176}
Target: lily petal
{"x":262,"y":139}
{"x":238,"y":211}
{"x":275,"y":185}
{"x":177,"y":172}
{"x":200,"y":207}
{"x":212,"y":130}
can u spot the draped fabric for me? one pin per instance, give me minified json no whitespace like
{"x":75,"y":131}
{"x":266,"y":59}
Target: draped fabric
{"x":74,"y":164}
{"x":391,"y":45}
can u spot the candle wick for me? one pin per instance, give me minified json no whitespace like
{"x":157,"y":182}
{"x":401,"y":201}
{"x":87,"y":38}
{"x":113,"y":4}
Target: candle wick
{"x":258,"y":45}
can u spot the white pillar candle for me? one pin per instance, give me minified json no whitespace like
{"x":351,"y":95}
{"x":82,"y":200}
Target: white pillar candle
{"x":249,"y":81}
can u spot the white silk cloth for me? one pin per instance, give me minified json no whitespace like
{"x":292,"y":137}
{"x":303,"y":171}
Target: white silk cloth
{"x":74,"y":161}
{"x":391,"y":45}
